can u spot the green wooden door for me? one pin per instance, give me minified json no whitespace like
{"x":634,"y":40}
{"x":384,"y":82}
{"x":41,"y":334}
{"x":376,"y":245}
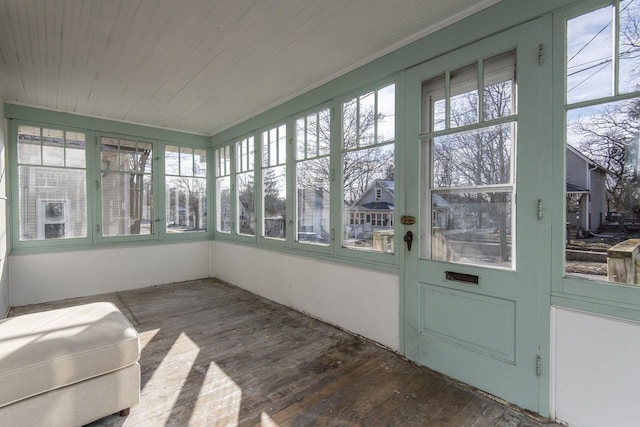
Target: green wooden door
{"x":476,"y":280}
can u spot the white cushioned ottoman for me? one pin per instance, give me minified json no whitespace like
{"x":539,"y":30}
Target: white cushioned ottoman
{"x":68,"y":366}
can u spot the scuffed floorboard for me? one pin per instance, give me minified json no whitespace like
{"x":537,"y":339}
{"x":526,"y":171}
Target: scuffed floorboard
{"x":215,"y":355}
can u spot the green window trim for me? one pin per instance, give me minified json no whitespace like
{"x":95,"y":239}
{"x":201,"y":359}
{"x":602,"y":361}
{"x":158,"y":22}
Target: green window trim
{"x":288,"y":156}
{"x":571,"y":291}
{"x":93,"y":176}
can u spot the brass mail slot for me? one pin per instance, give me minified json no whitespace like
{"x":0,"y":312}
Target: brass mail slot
{"x":461,"y":277}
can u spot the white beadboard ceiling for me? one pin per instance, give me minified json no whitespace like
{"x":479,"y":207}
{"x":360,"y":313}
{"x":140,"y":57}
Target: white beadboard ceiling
{"x":199,"y":66}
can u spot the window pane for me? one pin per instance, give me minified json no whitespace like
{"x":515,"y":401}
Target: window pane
{"x":246,"y":204}
{"x":52,"y":147}
{"x":52,"y":203}
{"x":223,"y":204}
{"x":478,"y":157}
{"x":282,"y":145}
{"x":433,"y":105}
{"x":313,"y":201}
{"x":301,"y":145}
{"x":364,"y":172}
{"x":109,"y":154}
{"x":350,"y":124}
{"x":186,"y":204}
{"x":200,"y":157}
{"x":186,"y":161}
{"x":589,"y":55}
{"x":603,"y":191}
{"x":499,"y":73}
{"x":324,"y":132}
{"x":629,"y":45}
{"x":171,"y":160}
{"x":223,"y":161}
{"x":464,"y":97}
{"x":367,"y":119}
{"x":312,"y":136}
{"x":128,"y":155}
{"x":29,"y":147}
{"x":274,"y":190}
{"x":439,"y":118}
{"x":75,"y":150}
{"x":127,"y":204}
{"x":472,"y":228}
{"x":387,"y":114}
{"x":126,"y":192}
{"x":144,"y":157}
{"x":273,"y":147}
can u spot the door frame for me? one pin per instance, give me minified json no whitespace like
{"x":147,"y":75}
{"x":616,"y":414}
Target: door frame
{"x":540,"y":112}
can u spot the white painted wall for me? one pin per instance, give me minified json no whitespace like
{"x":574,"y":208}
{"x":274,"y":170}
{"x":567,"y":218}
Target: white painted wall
{"x":35,"y":278}
{"x":359,"y":300}
{"x":595,"y":369}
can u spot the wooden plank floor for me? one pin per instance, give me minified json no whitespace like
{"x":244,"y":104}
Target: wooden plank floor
{"x":215,"y":355}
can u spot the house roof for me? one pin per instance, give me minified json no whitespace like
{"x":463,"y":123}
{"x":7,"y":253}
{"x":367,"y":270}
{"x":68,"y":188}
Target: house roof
{"x":378,"y":206}
{"x":591,"y":163}
{"x":572,"y":188}
{"x":440,"y":202}
{"x":386,"y":184}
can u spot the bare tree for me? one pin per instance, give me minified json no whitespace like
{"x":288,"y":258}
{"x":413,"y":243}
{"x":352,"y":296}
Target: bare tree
{"x":478,"y":157}
{"x":360,"y":167}
{"x":610,"y":137}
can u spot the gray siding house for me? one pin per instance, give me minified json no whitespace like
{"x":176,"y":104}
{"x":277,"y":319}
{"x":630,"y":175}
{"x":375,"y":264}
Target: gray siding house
{"x":586,"y":192}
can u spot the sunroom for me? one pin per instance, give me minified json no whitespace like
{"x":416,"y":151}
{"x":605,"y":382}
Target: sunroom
{"x":405,"y":171}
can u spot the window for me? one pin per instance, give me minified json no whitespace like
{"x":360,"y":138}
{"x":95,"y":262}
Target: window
{"x":602,"y":104}
{"x":368,"y":137}
{"x":313,"y":144}
{"x":222,"y":158}
{"x":52,"y":190}
{"x":185,"y":189}
{"x":469,"y":128}
{"x":246,"y":214}
{"x":127,"y":187}
{"x":274,"y":182}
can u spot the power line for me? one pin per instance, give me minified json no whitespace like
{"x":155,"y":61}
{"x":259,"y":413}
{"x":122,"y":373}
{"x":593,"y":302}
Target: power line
{"x":590,"y":76}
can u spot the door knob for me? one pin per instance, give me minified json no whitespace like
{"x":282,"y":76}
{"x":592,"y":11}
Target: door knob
{"x":409,"y":239}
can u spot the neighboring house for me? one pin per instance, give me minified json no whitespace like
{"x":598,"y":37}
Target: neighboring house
{"x":313,"y":211}
{"x":441,"y":211}
{"x":373,"y":211}
{"x":586,"y":192}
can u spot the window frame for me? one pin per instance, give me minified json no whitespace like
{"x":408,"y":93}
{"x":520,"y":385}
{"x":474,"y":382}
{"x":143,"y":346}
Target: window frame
{"x":337,"y":213}
{"x":157,"y":207}
{"x":93,"y":128}
{"x":213,"y":192}
{"x":607,"y":298}
{"x":257,"y":181}
{"x":191,"y":235}
{"x":14,"y":196}
{"x":296,"y":244}
{"x":259,"y":184}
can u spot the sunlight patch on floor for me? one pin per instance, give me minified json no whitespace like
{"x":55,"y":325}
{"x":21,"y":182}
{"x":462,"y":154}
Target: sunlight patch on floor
{"x":176,"y":365}
{"x":218,"y":400}
{"x":266,"y":421}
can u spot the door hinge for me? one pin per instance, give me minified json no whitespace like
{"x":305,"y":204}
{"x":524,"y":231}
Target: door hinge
{"x":333,"y":234}
{"x":540,"y":54}
{"x":97,"y":228}
{"x":539,"y":209}
{"x":97,"y":184}
{"x":538,"y":365}
{"x":333,"y":175}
